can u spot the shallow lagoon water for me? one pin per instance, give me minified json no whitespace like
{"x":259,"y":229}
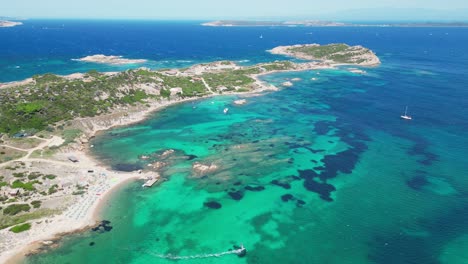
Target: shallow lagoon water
{"x":322,"y":172}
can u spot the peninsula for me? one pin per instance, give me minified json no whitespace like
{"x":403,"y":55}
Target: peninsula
{"x":49,"y":185}
{"x":6,"y":23}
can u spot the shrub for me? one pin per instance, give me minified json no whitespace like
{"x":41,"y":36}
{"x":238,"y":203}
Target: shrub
{"x":53,"y":189}
{"x":29,"y":186}
{"x":20,"y":228}
{"x":36,"y":204}
{"x":15,"y":209}
{"x":50,"y":176}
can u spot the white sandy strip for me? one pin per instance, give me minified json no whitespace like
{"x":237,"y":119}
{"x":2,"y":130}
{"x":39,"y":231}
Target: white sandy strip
{"x":81,"y":214}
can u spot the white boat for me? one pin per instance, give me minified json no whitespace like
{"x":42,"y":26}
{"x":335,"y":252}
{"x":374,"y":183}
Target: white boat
{"x":406,"y":116}
{"x":226,"y":110}
{"x":261,"y":36}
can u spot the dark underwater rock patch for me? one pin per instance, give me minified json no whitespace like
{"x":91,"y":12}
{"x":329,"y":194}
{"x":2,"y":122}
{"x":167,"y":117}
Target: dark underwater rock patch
{"x":420,"y":148}
{"x":102,"y":227}
{"x":417,"y":182}
{"x":191,"y":157}
{"x":285,"y":185}
{"x":236,"y":195}
{"x":91,"y":244}
{"x":127,"y":167}
{"x":322,"y":127}
{"x":254,"y":189}
{"x":341,"y":162}
{"x":323,"y":189}
{"x":213,"y":205}
{"x":287,"y":197}
{"x":315,"y":151}
{"x":300,"y":203}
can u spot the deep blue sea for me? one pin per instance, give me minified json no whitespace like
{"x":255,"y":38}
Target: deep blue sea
{"x":322,"y":172}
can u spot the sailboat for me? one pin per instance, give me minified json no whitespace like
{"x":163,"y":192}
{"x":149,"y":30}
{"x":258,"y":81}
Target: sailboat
{"x":261,"y":36}
{"x":406,"y":116}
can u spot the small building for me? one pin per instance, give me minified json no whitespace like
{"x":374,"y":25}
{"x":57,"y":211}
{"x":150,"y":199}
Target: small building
{"x":73,"y":159}
{"x":13,"y":192}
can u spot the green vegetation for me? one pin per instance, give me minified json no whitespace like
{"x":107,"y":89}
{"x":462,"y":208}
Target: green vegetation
{"x":2,"y":183}
{"x":230,"y":79}
{"x":278,"y":66}
{"x":23,"y":143}
{"x":49,"y":101}
{"x":190,"y":87}
{"x":7,"y":220}
{"x":53,"y":189}
{"x":7,"y":154}
{"x":340,"y":53}
{"x":20,"y":228}
{"x":36,"y":204}
{"x":49,"y":176}
{"x":15,"y":209}
{"x":19,"y":174}
{"x":29,"y":186}
{"x":35,"y":106}
{"x":34,"y":175}
{"x":70,"y":135}
{"x":321,"y":51}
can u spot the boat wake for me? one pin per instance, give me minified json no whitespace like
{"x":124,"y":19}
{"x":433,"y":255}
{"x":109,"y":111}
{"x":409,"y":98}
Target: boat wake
{"x":240,"y":252}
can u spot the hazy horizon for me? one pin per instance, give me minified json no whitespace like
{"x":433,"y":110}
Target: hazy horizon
{"x":335,"y":10}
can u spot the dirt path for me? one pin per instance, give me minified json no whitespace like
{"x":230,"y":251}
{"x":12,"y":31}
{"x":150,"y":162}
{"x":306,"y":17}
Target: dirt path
{"x":53,"y":141}
{"x":207,"y":86}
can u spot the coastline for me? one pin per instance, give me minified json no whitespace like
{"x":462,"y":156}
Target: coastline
{"x":59,"y":225}
{"x":86,"y":210}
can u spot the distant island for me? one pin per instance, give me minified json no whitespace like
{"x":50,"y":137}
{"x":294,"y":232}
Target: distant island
{"x":318,"y":23}
{"x":6,"y":23}
{"x":245,"y":23}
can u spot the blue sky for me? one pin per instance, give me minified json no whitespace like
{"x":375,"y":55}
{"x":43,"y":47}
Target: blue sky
{"x":217,"y":9}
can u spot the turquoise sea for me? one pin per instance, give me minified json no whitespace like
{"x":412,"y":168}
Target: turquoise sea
{"x":321,"y":172}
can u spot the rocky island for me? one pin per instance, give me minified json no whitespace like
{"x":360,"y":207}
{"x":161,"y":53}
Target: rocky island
{"x":48,"y":183}
{"x":6,"y":23}
{"x":332,"y":53}
{"x":113,"y":60}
